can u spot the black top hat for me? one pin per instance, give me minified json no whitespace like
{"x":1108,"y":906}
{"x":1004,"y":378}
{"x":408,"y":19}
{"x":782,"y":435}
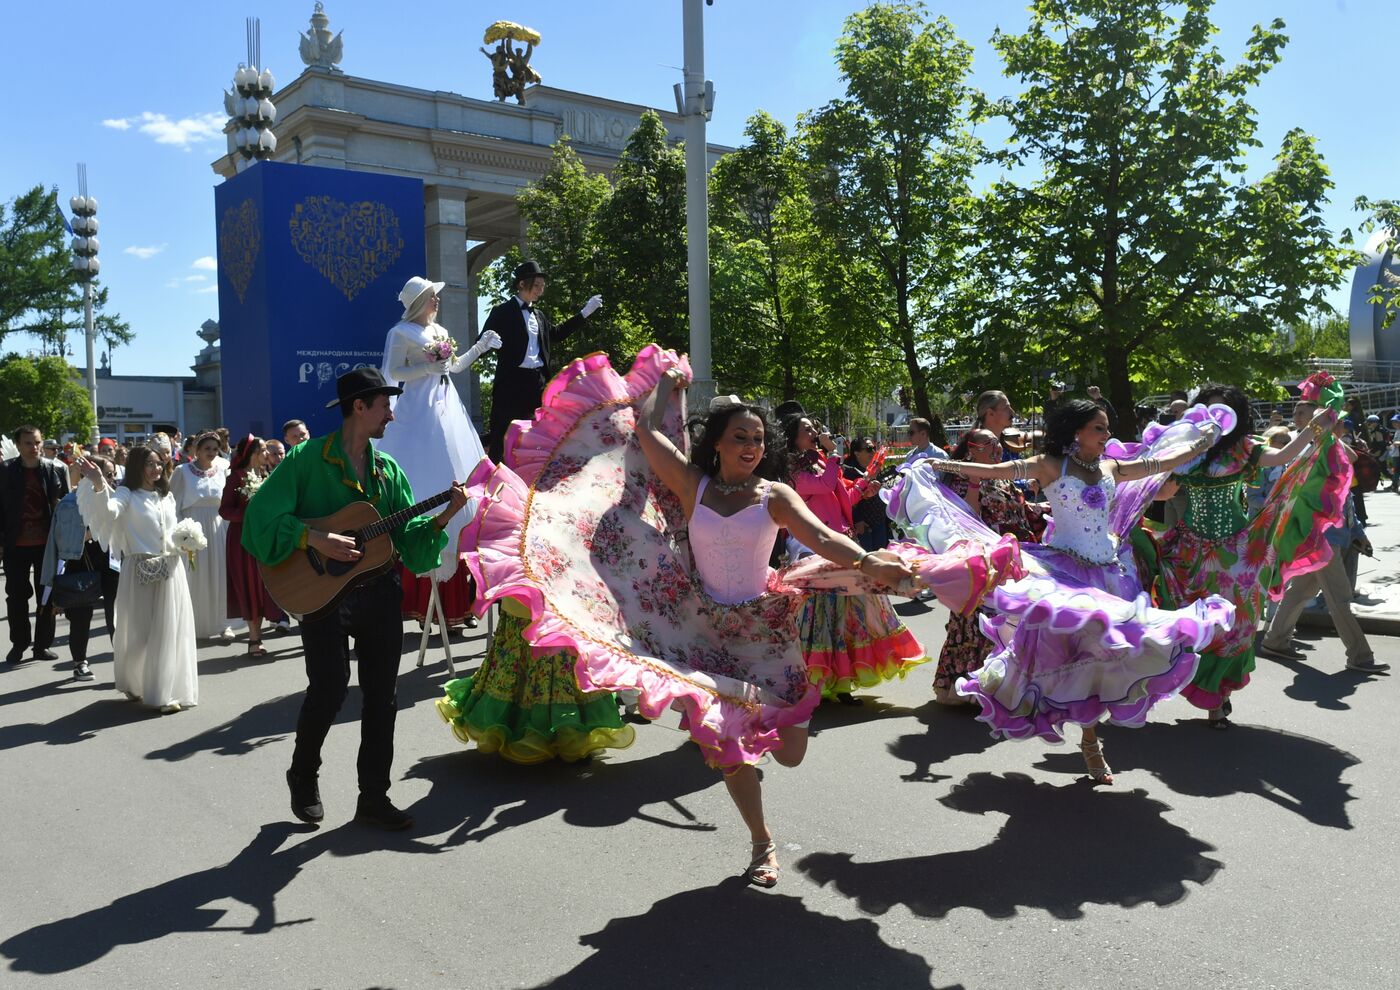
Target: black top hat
{"x":358,"y":384}
{"x":791,"y":409}
{"x":527,"y":270}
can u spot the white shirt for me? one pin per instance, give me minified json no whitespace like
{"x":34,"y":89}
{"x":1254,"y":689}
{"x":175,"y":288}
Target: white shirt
{"x":532,"y":327}
{"x":927,"y":450}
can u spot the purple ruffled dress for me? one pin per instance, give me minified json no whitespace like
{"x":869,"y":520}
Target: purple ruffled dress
{"x":1077,"y":639}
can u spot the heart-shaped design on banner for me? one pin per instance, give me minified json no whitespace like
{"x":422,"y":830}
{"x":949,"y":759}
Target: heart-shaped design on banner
{"x":240,"y":237}
{"x":350,"y":244}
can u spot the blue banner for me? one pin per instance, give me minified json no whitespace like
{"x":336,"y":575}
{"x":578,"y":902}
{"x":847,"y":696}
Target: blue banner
{"x":311,"y":261}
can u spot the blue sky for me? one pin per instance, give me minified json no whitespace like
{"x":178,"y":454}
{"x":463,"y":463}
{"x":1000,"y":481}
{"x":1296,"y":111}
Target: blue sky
{"x":136,"y":93}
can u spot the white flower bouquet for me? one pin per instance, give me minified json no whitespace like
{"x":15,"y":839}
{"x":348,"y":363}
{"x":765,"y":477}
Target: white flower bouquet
{"x":188,"y":538}
{"x":251,"y":483}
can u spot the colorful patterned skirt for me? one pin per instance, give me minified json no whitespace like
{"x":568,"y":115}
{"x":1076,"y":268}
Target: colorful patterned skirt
{"x":854,"y":641}
{"x":529,"y":708}
{"x":964,"y":651}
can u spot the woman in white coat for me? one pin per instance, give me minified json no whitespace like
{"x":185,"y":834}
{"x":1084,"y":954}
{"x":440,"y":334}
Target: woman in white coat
{"x":198,"y":487}
{"x":431,"y":436}
{"x":153,"y":649}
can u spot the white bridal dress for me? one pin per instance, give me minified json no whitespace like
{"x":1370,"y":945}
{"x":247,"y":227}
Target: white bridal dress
{"x":197,"y":496}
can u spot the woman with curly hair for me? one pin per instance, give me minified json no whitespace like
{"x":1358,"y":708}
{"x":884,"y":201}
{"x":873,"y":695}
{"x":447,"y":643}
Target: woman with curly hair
{"x":1218,"y":549}
{"x":1075,"y":640}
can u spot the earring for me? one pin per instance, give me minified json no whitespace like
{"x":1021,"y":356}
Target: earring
{"x":1074,"y":447}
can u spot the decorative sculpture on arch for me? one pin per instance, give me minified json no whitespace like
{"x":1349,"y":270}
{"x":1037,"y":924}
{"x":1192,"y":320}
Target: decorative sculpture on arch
{"x":318,"y":48}
{"x":511,"y":71}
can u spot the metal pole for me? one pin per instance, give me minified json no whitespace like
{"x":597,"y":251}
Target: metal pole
{"x":697,"y":206}
{"x":91,"y":335}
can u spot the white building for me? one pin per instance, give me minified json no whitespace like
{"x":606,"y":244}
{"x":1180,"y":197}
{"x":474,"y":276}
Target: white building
{"x":132,"y":407}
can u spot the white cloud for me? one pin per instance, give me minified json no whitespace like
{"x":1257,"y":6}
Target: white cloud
{"x":202,"y":128}
{"x":207,"y":288}
{"x":196,"y":278}
{"x":145,"y":253}
{"x":205,"y":264}
{"x":174,"y":283}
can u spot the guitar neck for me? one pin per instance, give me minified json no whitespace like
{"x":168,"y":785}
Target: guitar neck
{"x":392,"y":522}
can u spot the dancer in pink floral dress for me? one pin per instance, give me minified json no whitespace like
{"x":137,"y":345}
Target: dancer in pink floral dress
{"x":587,"y":524}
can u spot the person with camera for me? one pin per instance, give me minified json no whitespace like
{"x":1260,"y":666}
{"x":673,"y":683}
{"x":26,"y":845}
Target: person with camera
{"x":80,"y":574}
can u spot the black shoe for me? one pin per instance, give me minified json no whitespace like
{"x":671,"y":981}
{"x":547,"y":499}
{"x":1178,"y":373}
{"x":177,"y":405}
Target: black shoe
{"x":306,"y":798}
{"x":380,"y":813}
{"x":15,"y":657}
{"x":82,"y":672}
{"x":45,"y":655}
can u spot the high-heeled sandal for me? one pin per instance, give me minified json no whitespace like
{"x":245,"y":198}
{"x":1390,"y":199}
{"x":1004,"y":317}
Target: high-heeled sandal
{"x":759,"y":873}
{"x":1095,"y":763}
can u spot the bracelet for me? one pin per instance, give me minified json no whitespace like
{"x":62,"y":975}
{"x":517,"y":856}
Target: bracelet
{"x":1152,"y":465}
{"x":1020,"y":470}
{"x":952,"y":467}
{"x":855,"y":564}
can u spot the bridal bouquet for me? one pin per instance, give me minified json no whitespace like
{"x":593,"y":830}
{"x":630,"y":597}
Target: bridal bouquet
{"x":250,"y":485}
{"x":441,"y":349}
{"x":188,"y":538}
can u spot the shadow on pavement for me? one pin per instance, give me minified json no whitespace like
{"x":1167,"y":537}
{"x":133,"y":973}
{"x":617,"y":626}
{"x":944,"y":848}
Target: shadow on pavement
{"x":254,"y":877}
{"x":834,"y":715}
{"x":1324,"y":688}
{"x":77,"y":726}
{"x":1056,"y":852}
{"x":1301,"y":774}
{"x":470,"y":788}
{"x":952,"y":731}
{"x":735,"y":935}
{"x":274,"y":720}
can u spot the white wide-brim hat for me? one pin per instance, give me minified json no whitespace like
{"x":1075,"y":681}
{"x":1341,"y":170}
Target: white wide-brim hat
{"x":414,"y":288}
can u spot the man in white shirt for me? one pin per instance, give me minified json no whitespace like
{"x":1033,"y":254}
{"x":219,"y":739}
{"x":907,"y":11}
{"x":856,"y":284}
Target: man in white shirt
{"x":920,"y":435}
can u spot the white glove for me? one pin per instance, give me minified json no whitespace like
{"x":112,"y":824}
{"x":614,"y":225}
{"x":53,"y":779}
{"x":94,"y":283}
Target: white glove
{"x":488,"y":341}
{"x":591,"y":307}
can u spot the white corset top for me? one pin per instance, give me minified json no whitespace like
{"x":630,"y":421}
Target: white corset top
{"x":1080,"y":511}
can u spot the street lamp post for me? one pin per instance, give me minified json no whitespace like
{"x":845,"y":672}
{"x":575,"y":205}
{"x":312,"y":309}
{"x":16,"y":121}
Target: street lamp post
{"x":85,"y":269}
{"x":695,"y":100}
{"x":249,"y":104}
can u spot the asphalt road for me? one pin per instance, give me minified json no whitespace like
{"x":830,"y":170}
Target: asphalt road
{"x":150,"y":851}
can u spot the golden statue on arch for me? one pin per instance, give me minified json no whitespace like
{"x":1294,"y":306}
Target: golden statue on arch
{"x":511,"y":71}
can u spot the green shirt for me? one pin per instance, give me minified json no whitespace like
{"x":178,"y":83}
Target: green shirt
{"x":314,"y":481}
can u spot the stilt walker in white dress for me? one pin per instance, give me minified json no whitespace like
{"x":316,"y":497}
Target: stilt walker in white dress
{"x":431,"y":436}
{"x":198,"y":488}
{"x":153,"y":650}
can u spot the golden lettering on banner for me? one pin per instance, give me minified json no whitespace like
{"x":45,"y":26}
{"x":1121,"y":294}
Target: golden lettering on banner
{"x":350,"y":244}
{"x":240,"y":237}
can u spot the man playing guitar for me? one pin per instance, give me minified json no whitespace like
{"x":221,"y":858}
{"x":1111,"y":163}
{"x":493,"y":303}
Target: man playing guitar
{"x":317,"y":478}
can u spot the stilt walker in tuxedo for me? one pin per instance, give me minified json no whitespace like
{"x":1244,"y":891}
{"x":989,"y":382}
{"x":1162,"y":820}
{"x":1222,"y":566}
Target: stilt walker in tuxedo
{"x":523,"y":366}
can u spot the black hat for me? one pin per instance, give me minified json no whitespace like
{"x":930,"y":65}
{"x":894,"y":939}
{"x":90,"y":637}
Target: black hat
{"x":791,"y":409}
{"x":358,"y":384}
{"x":527,"y":270}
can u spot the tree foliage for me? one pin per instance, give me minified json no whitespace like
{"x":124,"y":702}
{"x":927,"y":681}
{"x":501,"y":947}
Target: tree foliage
{"x":44,"y":392}
{"x":39,"y":294}
{"x":1140,"y":252}
{"x":889,"y":168}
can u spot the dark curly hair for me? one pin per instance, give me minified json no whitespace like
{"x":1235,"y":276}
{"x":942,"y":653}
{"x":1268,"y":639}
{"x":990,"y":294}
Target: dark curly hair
{"x":1064,"y":422}
{"x":1234,"y":397}
{"x":774,"y":464}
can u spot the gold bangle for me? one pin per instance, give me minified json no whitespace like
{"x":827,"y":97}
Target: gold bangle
{"x":855,"y":564}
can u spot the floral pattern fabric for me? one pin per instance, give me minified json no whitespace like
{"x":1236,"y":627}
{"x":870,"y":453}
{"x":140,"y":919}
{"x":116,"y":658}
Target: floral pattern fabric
{"x":577,"y":528}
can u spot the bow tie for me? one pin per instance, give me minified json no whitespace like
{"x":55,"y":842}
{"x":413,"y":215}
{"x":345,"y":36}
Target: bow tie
{"x":527,"y":308}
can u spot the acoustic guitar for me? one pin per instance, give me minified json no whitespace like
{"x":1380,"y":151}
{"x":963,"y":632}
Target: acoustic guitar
{"x":310,"y":585}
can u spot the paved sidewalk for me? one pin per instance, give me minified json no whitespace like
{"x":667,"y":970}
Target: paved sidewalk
{"x":1377,"y":601}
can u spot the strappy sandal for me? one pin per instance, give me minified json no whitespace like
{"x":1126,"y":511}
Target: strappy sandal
{"x":1219,"y":718}
{"x":257,"y":649}
{"x":760,"y":873}
{"x":1095,"y":763}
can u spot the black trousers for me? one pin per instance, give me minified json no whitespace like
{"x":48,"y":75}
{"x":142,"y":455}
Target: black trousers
{"x":80,"y":617}
{"x":515,"y":395}
{"x":370,"y":616}
{"x":21,"y":584}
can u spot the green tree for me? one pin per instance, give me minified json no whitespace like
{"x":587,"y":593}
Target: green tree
{"x":44,"y":392}
{"x":641,"y":237}
{"x":1139,"y":252}
{"x":889,"y":169}
{"x":1384,"y":215}
{"x":561,"y":211}
{"x":36,"y":278}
